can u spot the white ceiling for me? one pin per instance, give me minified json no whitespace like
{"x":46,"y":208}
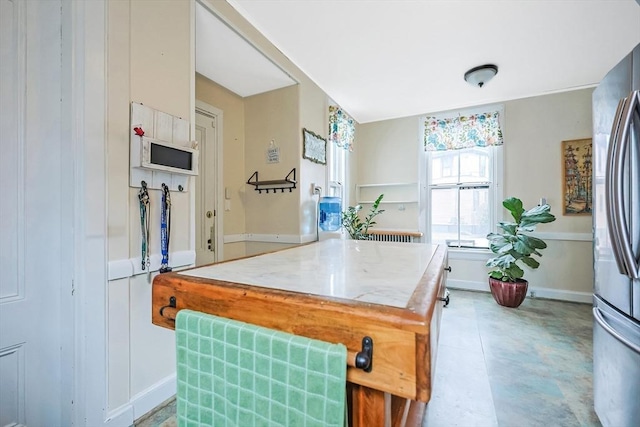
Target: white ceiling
{"x":223,"y":56}
{"x":382,"y":59}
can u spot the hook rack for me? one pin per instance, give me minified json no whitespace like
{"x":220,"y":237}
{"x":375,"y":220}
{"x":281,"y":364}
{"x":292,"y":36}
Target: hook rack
{"x":288,"y":183}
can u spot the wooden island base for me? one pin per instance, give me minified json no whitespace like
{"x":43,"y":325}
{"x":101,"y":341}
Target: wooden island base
{"x":370,"y":407}
{"x":391,"y":293}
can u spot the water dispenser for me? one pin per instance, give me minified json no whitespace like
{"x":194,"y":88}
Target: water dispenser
{"x":330,"y":213}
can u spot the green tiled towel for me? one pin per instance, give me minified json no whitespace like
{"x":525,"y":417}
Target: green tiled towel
{"x":235,"y":374}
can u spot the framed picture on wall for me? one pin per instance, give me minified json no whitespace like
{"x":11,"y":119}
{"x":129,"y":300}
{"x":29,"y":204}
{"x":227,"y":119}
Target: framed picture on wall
{"x":314,"y":147}
{"x":577,"y":186}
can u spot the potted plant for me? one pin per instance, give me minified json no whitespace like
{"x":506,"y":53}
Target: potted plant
{"x":357,"y":228}
{"x":514,"y":246}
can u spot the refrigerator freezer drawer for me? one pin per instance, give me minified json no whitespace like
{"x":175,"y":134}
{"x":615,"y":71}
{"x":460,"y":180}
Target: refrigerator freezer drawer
{"x":616,"y":368}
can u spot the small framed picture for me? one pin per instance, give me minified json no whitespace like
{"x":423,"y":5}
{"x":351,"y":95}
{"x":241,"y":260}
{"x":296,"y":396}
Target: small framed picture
{"x":314,"y":147}
{"x":577,"y":185}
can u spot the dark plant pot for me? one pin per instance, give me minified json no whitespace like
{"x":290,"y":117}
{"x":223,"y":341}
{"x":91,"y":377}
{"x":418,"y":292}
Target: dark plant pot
{"x":508,"y":294}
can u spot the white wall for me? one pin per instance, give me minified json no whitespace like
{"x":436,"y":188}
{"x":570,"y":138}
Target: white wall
{"x":388,"y":152}
{"x":149,"y":46}
{"x":533,"y":130}
{"x":272,"y":221}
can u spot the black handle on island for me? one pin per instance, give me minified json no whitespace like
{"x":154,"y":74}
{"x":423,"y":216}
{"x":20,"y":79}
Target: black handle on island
{"x":364,"y":358}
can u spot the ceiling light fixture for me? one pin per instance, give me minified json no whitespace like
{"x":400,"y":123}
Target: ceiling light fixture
{"x":478,"y":76}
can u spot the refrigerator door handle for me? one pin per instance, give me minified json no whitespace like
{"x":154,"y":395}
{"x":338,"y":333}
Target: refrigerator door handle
{"x":620,"y":222}
{"x":612,"y":205}
{"x":603,"y":323}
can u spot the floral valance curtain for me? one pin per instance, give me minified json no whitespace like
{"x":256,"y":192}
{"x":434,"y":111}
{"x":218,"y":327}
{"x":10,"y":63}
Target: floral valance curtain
{"x":478,"y":130}
{"x":342,"y":128}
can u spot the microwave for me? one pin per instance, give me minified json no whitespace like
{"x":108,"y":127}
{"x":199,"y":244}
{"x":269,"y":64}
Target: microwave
{"x":163,"y":156}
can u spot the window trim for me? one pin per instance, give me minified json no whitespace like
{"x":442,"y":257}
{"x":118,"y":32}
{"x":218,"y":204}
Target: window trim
{"x":424,"y":207}
{"x":337,"y":164}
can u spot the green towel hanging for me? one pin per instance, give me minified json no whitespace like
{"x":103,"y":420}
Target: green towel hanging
{"x":232,"y":373}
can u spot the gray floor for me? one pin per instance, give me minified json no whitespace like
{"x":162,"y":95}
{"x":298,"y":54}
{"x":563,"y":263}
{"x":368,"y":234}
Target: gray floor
{"x":497,"y":366}
{"x":530,"y":366}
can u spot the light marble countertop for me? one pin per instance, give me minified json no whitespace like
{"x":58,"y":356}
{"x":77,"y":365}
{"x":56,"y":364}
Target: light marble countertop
{"x":373,"y":272}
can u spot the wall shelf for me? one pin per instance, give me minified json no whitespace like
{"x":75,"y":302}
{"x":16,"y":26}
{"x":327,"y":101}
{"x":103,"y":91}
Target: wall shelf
{"x":394,"y":193}
{"x":288,"y":183}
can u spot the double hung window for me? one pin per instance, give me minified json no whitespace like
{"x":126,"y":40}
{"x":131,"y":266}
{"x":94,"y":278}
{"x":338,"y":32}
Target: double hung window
{"x":463,"y":166}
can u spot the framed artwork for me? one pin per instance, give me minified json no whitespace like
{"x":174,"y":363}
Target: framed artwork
{"x":577,"y":193}
{"x":314,"y":147}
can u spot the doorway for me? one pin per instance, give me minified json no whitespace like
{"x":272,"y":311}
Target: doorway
{"x":208,"y":188}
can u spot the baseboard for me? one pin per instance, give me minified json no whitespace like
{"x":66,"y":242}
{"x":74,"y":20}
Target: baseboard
{"x":467,"y":285}
{"x":142,"y":403}
{"x":234,"y":238}
{"x":534,"y":292}
{"x":562,"y":295}
{"x":148,"y":399}
{"x":120,"y":417}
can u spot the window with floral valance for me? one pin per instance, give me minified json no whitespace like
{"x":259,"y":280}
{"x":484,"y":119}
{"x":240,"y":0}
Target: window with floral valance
{"x":477,"y":130}
{"x":342,"y":128}
{"x":463,"y":171}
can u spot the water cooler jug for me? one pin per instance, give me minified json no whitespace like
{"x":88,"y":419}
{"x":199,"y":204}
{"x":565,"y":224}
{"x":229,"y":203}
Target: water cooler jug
{"x":330,"y":213}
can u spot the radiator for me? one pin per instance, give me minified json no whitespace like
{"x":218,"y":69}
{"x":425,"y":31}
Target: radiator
{"x":400,"y":236}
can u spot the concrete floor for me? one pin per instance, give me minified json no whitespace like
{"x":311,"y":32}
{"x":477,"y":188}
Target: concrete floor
{"x":530,"y":366}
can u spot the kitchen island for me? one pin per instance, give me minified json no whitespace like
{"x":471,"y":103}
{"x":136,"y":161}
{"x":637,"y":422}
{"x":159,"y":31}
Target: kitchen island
{"x":339,"y":291}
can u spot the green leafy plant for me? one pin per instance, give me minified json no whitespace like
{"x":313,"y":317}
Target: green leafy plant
{"x":356,"y":227}
{"x":514,"y":245}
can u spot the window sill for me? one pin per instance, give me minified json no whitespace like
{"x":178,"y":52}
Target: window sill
{"x":470,"y":254}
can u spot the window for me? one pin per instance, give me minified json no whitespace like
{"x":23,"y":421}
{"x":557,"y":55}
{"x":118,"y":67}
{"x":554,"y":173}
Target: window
{"x":337,"y":171}
{"x":460,"y":194}
{"x":462,"y":170}
{"x":340,"y":142}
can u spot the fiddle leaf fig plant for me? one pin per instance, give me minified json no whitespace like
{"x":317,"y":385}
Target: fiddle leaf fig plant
{"x":356,"y":227}
{"x":514,"y":245}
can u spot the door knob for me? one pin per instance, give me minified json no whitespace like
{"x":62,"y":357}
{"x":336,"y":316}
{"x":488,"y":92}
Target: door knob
{"x":209,"y":214}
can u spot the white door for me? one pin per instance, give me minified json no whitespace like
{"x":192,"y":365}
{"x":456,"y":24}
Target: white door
{"x":32,"y":253}
{"x":206,"y":185}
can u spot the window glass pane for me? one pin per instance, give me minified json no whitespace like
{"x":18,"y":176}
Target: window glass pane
{"x":459,"y":166}
{"x":444,"y":167}
{"x":474,"y":165}
{"x":474,"y":217}
{"x":444,"y":215}
{"x":336,"y":167}
{"x":470,"y":228}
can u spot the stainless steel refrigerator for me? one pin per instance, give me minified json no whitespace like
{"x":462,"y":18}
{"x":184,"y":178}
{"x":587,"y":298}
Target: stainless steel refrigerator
{"x":616,"y":223}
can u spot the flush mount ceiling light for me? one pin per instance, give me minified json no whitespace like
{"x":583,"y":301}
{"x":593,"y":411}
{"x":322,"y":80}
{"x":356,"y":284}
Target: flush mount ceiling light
{"x":478,"y":76}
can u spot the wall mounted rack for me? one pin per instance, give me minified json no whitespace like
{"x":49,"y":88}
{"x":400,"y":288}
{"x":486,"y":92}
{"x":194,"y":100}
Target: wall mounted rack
{"x":288,"y":183}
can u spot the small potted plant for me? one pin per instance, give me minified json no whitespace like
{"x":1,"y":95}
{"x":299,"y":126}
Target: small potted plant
{"x":513,"y":246}
{"x":357,"y":228}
